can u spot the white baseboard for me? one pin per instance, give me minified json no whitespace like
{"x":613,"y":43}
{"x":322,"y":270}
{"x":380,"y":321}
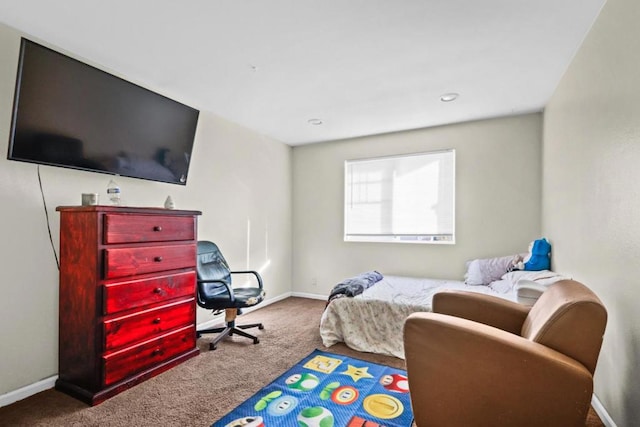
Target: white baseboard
{"x":311,"y":296}
{"x":602,"y":412}
{"x":26,"y":391}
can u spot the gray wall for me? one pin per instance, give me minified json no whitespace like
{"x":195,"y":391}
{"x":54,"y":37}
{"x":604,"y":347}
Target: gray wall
{"x":591,"y":201}
{"x":498,"y":207}
{"x":241,"y":182}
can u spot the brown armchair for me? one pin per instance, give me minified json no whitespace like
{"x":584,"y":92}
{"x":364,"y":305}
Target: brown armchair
{"x":479,"y":360}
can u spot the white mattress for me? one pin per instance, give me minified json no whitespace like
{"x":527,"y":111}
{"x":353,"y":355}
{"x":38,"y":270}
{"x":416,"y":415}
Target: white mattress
{"x":373,"y":321}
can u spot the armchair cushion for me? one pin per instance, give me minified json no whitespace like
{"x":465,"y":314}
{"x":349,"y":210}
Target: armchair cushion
{"x":497,"y":312}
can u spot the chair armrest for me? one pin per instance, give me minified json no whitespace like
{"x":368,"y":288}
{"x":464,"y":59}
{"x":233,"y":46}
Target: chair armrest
{"x":461,"y":371}
{"x":488,"y":309}
{"x":232,"y":297}
{"x":255,"y":273}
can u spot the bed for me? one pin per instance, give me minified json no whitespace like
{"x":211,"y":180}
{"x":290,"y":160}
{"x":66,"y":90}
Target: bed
{"x":372,"y":321}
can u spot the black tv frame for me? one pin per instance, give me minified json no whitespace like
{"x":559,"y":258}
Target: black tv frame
{"x":190,"y":112}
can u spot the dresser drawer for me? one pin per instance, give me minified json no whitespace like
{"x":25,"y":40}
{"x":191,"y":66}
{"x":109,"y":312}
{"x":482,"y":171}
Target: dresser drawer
{"x":121,"y":331}
{"x":122,"y":262}
{"x":124,"y":363}
{"x":138,"y":293}
{"x":121,"y":228}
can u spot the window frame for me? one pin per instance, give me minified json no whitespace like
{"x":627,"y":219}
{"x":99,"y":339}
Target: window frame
{"x":411,"y":238}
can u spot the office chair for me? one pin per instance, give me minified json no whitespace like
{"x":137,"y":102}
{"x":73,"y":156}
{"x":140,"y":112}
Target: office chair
{"x":482,"y":360}
{"x":216,"y":293}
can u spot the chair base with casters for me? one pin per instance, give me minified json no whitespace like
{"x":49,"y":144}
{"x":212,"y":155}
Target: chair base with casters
{"x":230,"y":329}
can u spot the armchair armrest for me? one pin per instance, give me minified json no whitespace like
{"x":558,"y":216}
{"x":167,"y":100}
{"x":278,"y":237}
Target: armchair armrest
{"x":200,"y":282}
{"x":255,"y":273}
{"x":461,"y":371}
{"x":490,"y":310}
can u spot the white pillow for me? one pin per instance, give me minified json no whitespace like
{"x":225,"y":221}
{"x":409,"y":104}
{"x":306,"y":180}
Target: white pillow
{"x":487,"y":270}
{"x":528,"y":292}
{"x":542,"y":277}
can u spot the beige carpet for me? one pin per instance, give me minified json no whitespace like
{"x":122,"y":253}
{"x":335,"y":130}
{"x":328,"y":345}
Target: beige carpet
{"x":203,"y":389}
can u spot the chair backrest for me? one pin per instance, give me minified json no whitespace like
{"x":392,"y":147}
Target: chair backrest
{"x":211,"y":265}
{"x":569,"y":318}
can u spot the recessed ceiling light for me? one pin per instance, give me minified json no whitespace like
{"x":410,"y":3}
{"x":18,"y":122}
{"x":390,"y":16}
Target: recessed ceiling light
{"x":448,"y":97}
{"x":315,"y":122}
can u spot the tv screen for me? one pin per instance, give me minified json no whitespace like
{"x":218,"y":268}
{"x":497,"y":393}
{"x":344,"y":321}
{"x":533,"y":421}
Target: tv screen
{"x":70,"y":114}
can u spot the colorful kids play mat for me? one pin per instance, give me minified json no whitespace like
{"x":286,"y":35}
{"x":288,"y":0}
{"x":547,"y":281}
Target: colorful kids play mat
{"x":328,"y":390}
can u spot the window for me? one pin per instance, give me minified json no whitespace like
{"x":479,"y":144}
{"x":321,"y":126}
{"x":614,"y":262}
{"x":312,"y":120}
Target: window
{"x":408,"y":198}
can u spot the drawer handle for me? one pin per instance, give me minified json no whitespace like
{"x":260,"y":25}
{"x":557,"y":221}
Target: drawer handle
{"x":157,"y":228}
{"x":157,"y":291}
{"x":156,"y":320}
{"x":156,"y":352}
{"x":158,"y":259}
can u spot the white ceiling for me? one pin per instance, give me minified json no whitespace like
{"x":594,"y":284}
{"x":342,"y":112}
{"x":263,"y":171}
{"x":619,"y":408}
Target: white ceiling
{"x":363,"y":67}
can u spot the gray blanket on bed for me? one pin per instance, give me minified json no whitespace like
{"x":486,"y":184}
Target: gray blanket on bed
{"x":354,"y":285}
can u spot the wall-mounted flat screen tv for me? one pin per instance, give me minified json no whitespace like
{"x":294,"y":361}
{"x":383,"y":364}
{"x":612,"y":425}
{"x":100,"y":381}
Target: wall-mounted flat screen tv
{"x":70,"y":114}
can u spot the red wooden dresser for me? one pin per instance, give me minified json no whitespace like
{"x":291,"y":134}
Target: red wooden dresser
{"x":127,"y":296}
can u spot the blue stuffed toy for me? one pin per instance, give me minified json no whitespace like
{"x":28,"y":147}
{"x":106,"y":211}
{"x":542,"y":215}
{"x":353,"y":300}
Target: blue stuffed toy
{"x":539,"y":256}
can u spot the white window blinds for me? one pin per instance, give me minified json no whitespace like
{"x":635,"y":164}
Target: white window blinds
{"x":408,"y":198}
